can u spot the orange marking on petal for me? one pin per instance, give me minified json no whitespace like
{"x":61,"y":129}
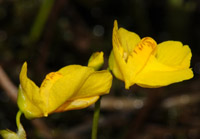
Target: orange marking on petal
{"x":54,"y":76}
{"x":134,"y":51}
{"x":51,"y":78}
{"x":146,"y":43}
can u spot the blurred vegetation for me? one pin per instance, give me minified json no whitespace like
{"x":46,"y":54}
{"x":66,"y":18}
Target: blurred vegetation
{"x":50,"y":34}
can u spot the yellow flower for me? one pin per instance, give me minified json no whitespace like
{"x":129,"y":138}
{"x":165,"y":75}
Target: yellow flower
{"x":72,"y":87}
{"x":146,"y":63}
{"x":96,"y":60}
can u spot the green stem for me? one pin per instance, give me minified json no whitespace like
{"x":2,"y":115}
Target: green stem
{"x":19,"y":113}
{"x":21,"y":132}
{"x":96,"y":119}
{"x":40,"y":20}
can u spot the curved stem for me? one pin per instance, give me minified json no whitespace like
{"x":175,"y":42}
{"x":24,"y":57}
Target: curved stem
{"x":21,"y":132}
{"x":96,"y":119}
{"x":19,"y":113}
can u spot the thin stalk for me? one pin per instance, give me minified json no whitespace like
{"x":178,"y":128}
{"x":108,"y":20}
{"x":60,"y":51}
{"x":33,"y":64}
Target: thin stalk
{"x":96,"y":119}
{"x":21,"y":132}
{"x":19,"y":113}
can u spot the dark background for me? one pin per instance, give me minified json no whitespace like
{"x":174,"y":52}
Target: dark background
{"x":74,"y":29}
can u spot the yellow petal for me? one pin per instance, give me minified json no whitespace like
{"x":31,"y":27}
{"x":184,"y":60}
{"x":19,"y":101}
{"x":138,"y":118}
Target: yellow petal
{"x":114,"y":67}
{"x":28,"y":96}
{"x":28,"y":106}
{"x":170,"y":65}
{"x":130,"y":54}
{"x":173,"y":53}
{"x":45,"y":88}
{"x":77,"y":104}
{"x":96,"y":61}
{"x":98,"y":83}
{"x":27,"y":85}
{"x":156,"y":74}
{"x":73,"y":77}
{"x":128,"y":39}
{"x":119,"y":56}
{"x":138,"y":59}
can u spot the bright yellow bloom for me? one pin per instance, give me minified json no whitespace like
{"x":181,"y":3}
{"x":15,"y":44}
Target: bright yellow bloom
{"x":72,"y":87}
{"x":96,"y":60}
{"x":146,"y":63}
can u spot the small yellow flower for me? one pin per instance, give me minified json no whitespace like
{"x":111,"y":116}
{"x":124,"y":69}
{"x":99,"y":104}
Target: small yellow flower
{"x":96,"y":60}
{"x":146,"y":63}
{"x":72,"y":87}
